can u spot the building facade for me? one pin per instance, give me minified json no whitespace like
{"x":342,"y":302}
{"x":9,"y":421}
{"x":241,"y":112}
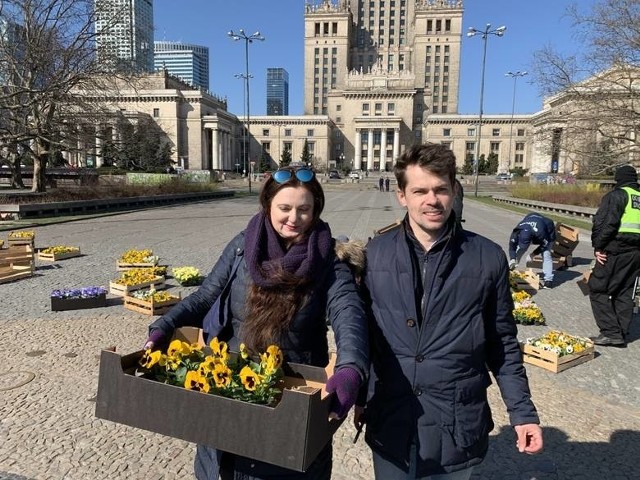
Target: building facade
{"x":277,"y":91}
{"x":186,"y":61}
{"x":378,"y":68}
{"x":124,"y":34}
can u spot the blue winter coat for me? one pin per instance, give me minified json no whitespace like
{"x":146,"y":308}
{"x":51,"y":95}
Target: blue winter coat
{"x":333,"y":296}
{"x":534,"y":228}
{"x":430,"y":368}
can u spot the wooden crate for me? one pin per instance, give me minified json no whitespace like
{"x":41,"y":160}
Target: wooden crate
{"x":149,"y":307}
{"x":11,"y":241}
{"x":54,"y":257}
{"x":17,"y":256}
{"x":583,"y":283}
{"x":122,"y":290}
{"x":128,"y":266}
{"x":17,"y":272}
{"x":551,"y":361}
{"x":530,"y":282}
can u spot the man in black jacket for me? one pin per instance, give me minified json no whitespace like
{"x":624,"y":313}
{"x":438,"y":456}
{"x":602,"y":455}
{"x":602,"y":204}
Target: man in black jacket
{"x":615,"y":237}
{"x":441,"y":319}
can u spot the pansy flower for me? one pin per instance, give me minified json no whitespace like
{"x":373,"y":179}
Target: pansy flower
{"x":195,"y":381}
{"x":219,"y":350}
{"x":222,"y":375}
{"x":249,"y":378}
{"x":150,"y":358}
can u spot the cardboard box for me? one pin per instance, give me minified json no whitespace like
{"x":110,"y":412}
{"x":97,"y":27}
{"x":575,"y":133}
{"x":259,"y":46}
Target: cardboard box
{"x":583,"y":283}
{"x":289,"y":435}
{"x":551,"y":361}
{"x":567,"y":239}
{"x":558,"y":261}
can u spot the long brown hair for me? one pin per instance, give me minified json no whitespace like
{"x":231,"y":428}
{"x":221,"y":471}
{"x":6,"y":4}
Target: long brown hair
{"x":270,"y":310}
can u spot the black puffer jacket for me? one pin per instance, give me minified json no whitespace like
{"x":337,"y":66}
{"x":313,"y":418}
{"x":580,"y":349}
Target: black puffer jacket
{"x":606,"y":222}
{"x":430,"y":365}
{"x":306,"y":341}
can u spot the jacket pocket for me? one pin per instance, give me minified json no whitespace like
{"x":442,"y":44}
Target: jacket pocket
{"x":472,"y":420}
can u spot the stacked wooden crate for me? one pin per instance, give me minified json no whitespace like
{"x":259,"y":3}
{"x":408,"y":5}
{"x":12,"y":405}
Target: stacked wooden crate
{"x":16,"y":262}
{"x":567,"y":239}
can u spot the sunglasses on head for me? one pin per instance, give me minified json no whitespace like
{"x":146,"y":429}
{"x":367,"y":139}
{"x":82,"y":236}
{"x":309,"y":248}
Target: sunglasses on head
{"x":303,"y":174}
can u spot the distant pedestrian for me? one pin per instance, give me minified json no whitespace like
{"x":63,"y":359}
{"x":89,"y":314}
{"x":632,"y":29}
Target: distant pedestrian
{"x":381,"y":184}
{"x":386,"y":184}
{"x":615,"y":237}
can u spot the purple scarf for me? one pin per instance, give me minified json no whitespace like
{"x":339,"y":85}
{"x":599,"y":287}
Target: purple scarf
{"x":265,"y":254}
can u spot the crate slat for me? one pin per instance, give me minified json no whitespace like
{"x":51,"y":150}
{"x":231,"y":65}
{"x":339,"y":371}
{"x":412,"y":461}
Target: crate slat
{"x":149,"y":307}
{"x":54,"y":257}
{"x":552,"y":362}
{"x":122,"y":290}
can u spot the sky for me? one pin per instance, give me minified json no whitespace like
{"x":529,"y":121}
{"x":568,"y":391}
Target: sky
{"x":531,"y":26}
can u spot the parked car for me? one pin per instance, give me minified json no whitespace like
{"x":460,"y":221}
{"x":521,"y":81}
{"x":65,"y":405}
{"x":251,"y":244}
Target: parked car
{"x":503,"y":176}
{"x":334,"y":174}
{"x":354,"y":175}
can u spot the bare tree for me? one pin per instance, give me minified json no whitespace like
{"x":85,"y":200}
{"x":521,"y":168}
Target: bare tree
{"x":594,"y":95}
{"x":47,"y":55}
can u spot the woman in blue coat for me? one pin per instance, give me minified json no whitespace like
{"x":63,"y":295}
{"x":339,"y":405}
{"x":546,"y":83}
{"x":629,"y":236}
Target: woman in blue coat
{"x":277,"y":283}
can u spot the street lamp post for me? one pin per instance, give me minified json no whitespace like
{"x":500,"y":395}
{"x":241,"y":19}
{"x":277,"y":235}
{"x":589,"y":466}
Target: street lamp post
{"x":245,"y":167}
{"x":241,"y":35}
{"x":515,"y":76}
{"x":498,"y":32}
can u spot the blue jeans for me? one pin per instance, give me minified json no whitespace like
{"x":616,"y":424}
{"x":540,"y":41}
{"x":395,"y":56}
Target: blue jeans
{"x":385,"y":470}
{"x":547,"y":263}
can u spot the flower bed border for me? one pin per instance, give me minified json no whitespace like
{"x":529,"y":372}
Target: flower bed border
{"x":122,"y":290}
{"x":149,"y":307}
{"x":551,"y":361}
{"x":54,"y":257}
{"x":61,"y":304}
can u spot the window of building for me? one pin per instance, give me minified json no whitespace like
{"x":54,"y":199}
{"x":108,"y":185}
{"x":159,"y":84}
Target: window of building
{"x":446,"y":132}
{"x":311,"y":146}
{"x":519,"y":158}
{"x":317,"y":32}
{"x":495,"y":147}
{"x":391,"y":108}
{"x":519,"y":146}
{"x":447,"y":25}
{"x":266,"y":146}
{"x":429,"y":25}
{"x":310,"y":132}
{"x":435,"y":107}
{"x":287,"y":132}
{"x":326,"y":28}
{"x":338,"y":119}
{"x":378,"y":108}
{"x":471,"y":132}
{"x":338,"y":107}
{"x":365,"y":109}
{"x":520,"y":132}
{"x":470,"y":146}
{"x":444,"y":109}
{"x":156,"y":112}
{"x":495,"y":132}
{"x":334,"y":28}
{"x":287,"y":146}
{"x":265,"y":132}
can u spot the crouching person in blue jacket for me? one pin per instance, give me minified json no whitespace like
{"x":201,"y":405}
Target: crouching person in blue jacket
{"x":538,"y":230}
{"x":441,"y":319}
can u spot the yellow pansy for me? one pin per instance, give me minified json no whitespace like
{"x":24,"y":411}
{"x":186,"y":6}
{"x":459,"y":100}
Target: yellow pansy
{"x":197,"y":382}
{"x":221,"y":375}
{"x":249,"y":378}
{"x":178,"y":347}
{"x":150,"y":358}
{"x":219,"y":349}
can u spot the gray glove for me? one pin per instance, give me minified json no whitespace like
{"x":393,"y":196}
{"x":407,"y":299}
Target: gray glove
{"x":512,"y":264}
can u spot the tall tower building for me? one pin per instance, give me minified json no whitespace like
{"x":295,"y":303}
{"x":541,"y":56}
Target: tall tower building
{"x":188,"y":62}
{"x":277,"y":91}
{"x":124,"y":31}
{"x":378,"y":68}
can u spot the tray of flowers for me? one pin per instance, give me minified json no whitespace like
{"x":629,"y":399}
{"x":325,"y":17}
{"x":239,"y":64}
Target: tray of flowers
{"x":21,"y":237}
{"x":257,"y":407}
{"x":136,"y":279}
{"x":59,"y":252}
{"x":78,"y":298}
{"x":150,"y":302}
{"x":557,"y":351}
{"x":187,"y":276}
{"x":525,"y":311}
{"x":524,"y":280}
{"x":137,"y":259}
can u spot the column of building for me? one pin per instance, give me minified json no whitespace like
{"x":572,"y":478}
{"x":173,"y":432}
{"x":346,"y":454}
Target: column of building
{"x":357,"y":161}
{"x":369,"y":149}
{"x":396,"y":145}
{"x":383,"y":149}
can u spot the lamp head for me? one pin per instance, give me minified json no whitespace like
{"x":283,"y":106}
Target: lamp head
{"x":500,"y":31}
{"x":471,"y":32}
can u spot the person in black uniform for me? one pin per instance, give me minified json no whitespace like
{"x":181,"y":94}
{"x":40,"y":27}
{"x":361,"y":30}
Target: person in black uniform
{"x":615,"y":237}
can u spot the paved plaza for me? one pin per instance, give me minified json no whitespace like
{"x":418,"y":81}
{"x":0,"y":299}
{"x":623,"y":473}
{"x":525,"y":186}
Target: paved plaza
{"x":48,"y":381}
